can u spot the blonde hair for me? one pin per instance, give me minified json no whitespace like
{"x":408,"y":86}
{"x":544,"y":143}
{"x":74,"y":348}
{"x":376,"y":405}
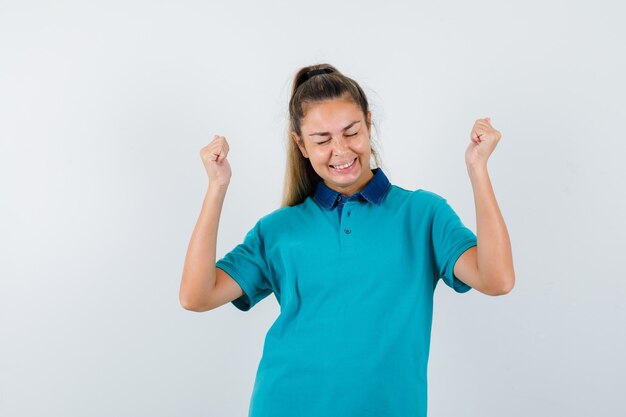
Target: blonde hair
{"x":300,"y":177}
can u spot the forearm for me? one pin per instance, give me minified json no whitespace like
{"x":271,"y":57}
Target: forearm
{"x":199,"y":269}
{"x":494,"y":255}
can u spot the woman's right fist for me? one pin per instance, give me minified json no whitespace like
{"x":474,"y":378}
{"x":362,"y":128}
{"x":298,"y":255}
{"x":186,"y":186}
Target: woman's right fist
{"x":215,"y":163}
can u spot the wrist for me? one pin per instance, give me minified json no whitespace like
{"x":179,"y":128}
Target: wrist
{"x":477,"y":169}
{"x":217,"y":188}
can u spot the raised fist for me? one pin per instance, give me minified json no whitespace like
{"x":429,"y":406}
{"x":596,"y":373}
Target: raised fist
{"x":215,"y":163}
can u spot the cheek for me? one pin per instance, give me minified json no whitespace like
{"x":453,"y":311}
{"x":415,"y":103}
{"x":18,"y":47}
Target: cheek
{"x":362,"y":147}
{"x":321,"y":156}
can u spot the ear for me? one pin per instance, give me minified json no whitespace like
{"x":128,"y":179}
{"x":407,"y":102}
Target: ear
{"x":369,"y":120}
{"x":300,"y":144}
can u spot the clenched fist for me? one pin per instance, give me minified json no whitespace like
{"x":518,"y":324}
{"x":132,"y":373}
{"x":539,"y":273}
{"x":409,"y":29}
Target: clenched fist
{"x":215,"y":163}
{"x":484,"y":139}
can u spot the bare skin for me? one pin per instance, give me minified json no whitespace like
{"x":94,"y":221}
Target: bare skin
{"x":335,"y":132}
{"x":487,"y":267}
{"x":203,"y":286}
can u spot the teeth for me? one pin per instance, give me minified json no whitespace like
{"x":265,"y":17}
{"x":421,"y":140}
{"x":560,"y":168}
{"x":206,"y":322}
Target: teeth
{"x":343,"y":166}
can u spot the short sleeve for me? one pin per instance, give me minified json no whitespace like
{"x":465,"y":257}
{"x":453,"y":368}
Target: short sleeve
{"x":450,"y":238}
{"x":247,"y":265}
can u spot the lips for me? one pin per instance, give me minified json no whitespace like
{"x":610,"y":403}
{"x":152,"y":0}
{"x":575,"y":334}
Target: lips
{"x":344,"y":165}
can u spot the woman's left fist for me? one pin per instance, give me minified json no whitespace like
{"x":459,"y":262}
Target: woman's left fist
{"x":484,"y":139}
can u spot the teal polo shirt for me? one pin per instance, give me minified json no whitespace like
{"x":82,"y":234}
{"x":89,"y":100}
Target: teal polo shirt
{"x":354,"y":277}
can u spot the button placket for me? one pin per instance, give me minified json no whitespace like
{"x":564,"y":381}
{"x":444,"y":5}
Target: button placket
{"x":341,"y":203}
{"x":346,"y":227}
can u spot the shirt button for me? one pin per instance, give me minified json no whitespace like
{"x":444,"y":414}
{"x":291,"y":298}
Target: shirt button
{"x":348,"y":213}
{"x":347,"y":230}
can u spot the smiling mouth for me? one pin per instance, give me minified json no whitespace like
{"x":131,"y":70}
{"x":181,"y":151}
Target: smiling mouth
{"x":345,"y":166}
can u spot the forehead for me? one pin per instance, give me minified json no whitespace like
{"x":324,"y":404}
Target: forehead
{"x":330,"y":115}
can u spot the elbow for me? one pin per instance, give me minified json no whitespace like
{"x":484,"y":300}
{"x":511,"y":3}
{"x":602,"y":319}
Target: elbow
{"x":186,"y":303}
{"x":190,"y":298}
{"x":189,"y":304}
{"x":192,"y":307}
{"x":504,"y":287}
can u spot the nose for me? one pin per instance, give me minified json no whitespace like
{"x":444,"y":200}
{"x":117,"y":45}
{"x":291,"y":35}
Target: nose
{"x":339,"y":146}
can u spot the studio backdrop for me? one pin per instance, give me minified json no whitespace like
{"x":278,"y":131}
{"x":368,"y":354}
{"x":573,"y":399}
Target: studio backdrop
{"x":104,"y":107}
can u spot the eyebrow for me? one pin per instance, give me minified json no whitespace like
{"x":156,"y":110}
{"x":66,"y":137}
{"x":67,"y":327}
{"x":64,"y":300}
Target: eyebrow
{"x":328,"y":133}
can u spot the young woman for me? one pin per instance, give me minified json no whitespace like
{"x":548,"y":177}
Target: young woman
{"x":352,"y":260}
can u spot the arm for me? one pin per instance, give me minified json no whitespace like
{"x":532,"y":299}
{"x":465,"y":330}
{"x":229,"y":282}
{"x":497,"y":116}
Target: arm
{"x":203,"y":286}
{"x":487,"y":267}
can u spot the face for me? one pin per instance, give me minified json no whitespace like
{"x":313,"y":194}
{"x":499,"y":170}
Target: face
{"x":336,"y":139}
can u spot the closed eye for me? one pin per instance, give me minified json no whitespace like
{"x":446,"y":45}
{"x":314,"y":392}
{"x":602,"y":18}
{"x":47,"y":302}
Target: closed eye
{"x":328,"y":140}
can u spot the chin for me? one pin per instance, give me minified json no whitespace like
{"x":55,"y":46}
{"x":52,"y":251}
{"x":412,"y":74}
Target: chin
{"x":348,"y":179}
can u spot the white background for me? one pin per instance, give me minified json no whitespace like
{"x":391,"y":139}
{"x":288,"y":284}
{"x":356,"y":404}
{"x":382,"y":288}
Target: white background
{"x":104,"y":107}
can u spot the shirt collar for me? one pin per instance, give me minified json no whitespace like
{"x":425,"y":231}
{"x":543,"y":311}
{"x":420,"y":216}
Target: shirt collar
{"x":374,"y":191}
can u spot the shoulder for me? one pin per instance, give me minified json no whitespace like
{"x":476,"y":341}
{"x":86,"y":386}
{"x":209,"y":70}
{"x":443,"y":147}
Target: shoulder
{"x":419,"y":198}
{"x":285,"y":217}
